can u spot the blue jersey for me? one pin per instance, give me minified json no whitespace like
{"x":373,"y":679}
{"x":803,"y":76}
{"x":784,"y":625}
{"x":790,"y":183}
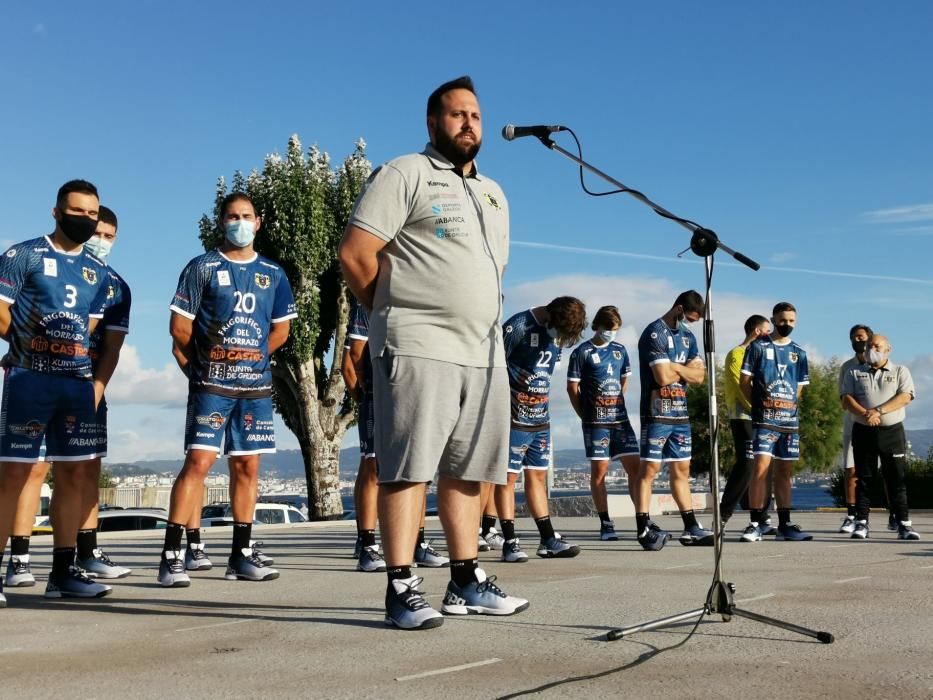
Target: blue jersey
{"x":358,"y":329}
{"x":776,"y":372}
{"x":659,"y":344}
{"x":53,"y":296}
{"x":600,"y":369}
{"x":531,"y":356}
{"x":116,"y":316}
{"x":233,"y":306}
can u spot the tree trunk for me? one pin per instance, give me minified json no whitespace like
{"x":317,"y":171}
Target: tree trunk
{"x":322,"y":470}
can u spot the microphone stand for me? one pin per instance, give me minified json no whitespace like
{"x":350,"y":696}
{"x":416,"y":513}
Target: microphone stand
{"x":720,"y":596}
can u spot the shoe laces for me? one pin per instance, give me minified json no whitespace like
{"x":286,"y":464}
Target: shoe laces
{"x":257,"y":547}
{"x":102,"y":557}
{"x":197,"y":554}
{"x":490,"y":585}
{"x":80,"y":574}
{"x":411,"y":597}
{"x":372,"y":554}
{"x":175,"y":565}
{"x":19,"y":566}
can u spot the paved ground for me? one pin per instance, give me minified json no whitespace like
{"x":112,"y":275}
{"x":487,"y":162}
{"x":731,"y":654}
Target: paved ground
{"x":318,"y":631}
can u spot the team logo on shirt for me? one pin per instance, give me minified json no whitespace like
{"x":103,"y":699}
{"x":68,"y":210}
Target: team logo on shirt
{"x":617,"y":354}
{"x":262,"y":281}
{"x":686,"y":341}
{"x":39,"y":344}
{"x":89,"y":275}
{"x":218,"y":353}
{"x":111,"y":292}
{"x":792,"y":356}
{"x":492,"y":201}
{"x":11,"y":253}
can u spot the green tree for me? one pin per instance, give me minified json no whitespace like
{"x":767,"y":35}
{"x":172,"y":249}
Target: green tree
{"x":698,"y":407}
{"x":104,"y":481}
{"x":305,"y":205}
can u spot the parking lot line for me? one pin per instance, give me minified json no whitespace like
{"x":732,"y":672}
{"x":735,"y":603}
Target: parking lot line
{"x":449,"y":669}
{"x":220,"y":624}
{"x":850,"y":580}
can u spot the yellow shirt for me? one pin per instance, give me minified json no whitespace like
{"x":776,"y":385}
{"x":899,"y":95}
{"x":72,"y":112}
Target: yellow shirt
{"x":739,"y":408}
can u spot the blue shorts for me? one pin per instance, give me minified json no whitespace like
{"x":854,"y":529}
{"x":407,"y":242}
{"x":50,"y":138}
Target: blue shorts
{"x":246,"y":424}
{"x":529,"y":450}
{"x":56,"y":409}
{"x":366,"y":425}
{"x":609,"y":441}
{"x":785,"y":446}
{"x":666,"y":442}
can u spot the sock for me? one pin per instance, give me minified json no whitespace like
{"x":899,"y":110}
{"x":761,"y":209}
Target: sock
{"x":420,"y":537}
{"x":690,"y":520}
{"x":463,"y":571}
{"x":193,"y":535}
{"x":545,"y":527}
{"x":851,"y":510}
{"x":488,"y":522}
{"x":87,"y":543}
{"x":508,"y":529}
{"x":241,"y":534}
{"x":757,"y":515}
{"x":19,"y":545}
{"x":62,"y":560}
{"x":783,"y":516}
{"x":395,"y":572}
{"x":764,"y":515}
{"x":604,"y":517}
{"x":368,"y":538}
{"x":641,"y":522}
{"x":173,"y":533}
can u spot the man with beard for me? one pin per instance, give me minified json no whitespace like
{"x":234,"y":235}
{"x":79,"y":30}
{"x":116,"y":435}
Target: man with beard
{"x":425,"y":250}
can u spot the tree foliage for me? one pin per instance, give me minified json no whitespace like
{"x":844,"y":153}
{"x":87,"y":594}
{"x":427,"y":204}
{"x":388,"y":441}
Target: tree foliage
{"x":305,"y":204}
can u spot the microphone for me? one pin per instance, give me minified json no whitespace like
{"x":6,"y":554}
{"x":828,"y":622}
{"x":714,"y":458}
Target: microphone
{"x":510,"y":131}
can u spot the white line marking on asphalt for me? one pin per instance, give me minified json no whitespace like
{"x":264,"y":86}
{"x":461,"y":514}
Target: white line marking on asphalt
{"x":849,"y":580}
{"x":757,"y":597}
{"x":449,"y":669}
{"x":682,"y":566}
{"x":581,"y":578}
{"x":926,"y":567}
{"x":219,"y":624}
{"x":837,"y":546}
{"x":772,"y":556}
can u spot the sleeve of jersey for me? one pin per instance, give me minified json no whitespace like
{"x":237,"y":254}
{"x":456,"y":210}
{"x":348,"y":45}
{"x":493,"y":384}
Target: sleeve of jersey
{"x":750,"y":360}
{"x":694,"y":350}
{"x":105,"y":298}
{"x":905,"y":382}
{"x":384,"y":204}
{"x":512,"y":333}
{"x":283,"y":308}
{"x":803,"y":370}
{"x":657,"y":351}
{"x":573,"y":366}
{"x":117,"y":316}
{"x":358,"y":328}
{"x":626,"y":363}
{"x":191,"y":283}
{"x":12,"y":274}
{"x":847,"y":385}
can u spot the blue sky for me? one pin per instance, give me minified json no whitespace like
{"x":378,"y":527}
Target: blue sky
{"x":799,"y":131}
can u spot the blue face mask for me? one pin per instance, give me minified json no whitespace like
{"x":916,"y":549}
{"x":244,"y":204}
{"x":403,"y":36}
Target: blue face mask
{"x":98,"y":247}
{"x":683,"y":324}
{"x":240,"y":233}
{"x":606,"y":336}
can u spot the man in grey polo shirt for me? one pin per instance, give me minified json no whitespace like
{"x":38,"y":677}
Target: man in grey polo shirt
{"x":425,"y":249}
{"x":876,"y":393}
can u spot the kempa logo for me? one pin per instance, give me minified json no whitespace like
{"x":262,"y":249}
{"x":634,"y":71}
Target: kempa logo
{"x":435,"y":183}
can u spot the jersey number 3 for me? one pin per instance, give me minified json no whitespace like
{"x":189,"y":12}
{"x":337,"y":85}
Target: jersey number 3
{"x":71,"y":296}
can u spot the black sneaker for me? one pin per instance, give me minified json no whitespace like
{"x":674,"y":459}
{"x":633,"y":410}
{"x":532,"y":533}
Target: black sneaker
{"x":906,"y":532}
{"x":653,"y":538}
{"x":75,"y":584}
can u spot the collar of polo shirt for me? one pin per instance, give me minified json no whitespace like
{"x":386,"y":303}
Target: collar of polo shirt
{"x":440,"y":161}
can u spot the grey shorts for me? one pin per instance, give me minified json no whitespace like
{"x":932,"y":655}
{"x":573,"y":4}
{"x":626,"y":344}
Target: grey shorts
{"x":438,"y":416}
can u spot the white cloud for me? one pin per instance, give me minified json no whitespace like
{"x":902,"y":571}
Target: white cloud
{"x":778,"y":258}
{"x":900,"y":215}
{"x":920,"y":410}
{"x":134,"y":384}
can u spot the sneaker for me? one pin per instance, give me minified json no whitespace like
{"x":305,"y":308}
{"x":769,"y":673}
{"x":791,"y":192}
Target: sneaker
{"x":19,"y":573}
{"x":860,"y":530}
{"x":653,"y":538}
{"x":2,"y":598}
{"x":556,"y":547}
{"x":892,"y":522}
{"x":512,"y":552}
{"x":481,"y":544}
{"x":481,"y":597}
{"x":792,"y":533}
{"x":100,"y":565}
{"x":426,"y":555}
{"x":75,"y":585}
{"x":196,"y":559}
{"x":848,"y":525}
{"x":406,"y":607}
{"x":697,"y":536}
{"x":370,"y":560}
{"x":607,"y":532}
{"x":906,"y":532}
{"x":751,"y":533}
{"x":247,"y":566}
{"x":494,"y":539}
{"x":172,"y":571}
{"x":257,"y":550}
{"x":766,"y":528}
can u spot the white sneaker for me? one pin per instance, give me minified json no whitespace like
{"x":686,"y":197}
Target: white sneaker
{"x":494,"y":539}
{"x":848,"y":525}
{"x":172,"y":571}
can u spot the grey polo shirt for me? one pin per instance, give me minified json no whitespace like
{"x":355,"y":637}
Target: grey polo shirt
{"x":872,"y":387}
{"x":847,"y":417}
{"x":439,"y":289}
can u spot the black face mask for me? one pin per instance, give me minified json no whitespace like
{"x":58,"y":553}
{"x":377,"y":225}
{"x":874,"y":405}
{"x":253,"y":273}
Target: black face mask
{"x":79,"y":229}
{"x":784,"y":330}
{"x":859,"y":346}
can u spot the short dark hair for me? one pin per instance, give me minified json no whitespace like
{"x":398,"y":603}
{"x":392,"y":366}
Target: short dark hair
{"x":691,"y":301}
{"x":860,"y":327}
{"x":106,"y":215}
{"x":753,"y":321}
{"x":235,"y":197}
{"x":80,"y":186}
{"x":606,"y":316}
{"x":568,"y":316}
{"x":783,"y":306}
{"x":464,"y":82}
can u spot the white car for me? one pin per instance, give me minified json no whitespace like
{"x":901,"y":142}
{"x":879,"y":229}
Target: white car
{"x":264,"y":514}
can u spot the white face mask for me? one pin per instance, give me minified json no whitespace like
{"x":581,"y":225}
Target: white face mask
{"x":876,"y":357}
{"x":606,"y":336}
{"x":240,"y":233}
{"x":98,"y":247}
